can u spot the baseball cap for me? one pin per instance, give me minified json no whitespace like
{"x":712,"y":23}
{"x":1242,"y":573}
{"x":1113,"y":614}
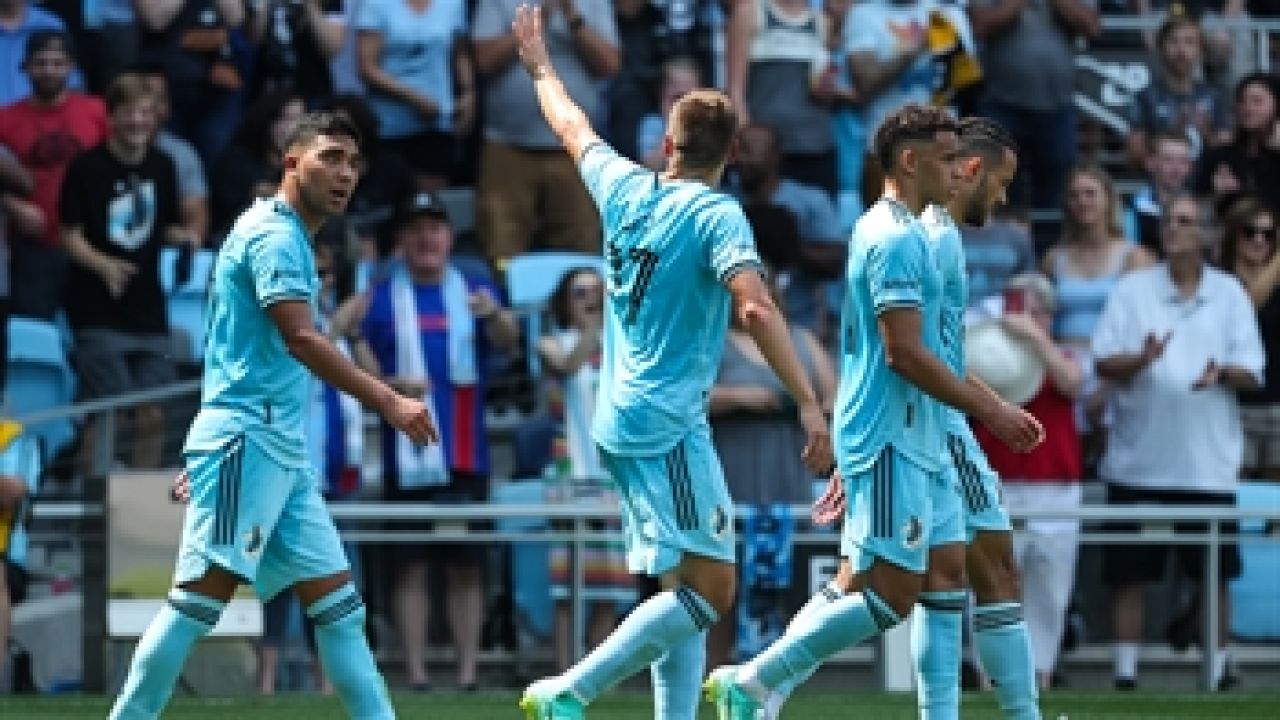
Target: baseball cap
{"x":42,"y":40}
{"x":418,"y":204}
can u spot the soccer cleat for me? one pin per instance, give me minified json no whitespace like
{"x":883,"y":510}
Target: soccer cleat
{"x":546,"y":700}
{"x":731,"y":700}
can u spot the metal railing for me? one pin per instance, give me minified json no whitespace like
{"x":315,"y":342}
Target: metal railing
{"x":378,"y":522}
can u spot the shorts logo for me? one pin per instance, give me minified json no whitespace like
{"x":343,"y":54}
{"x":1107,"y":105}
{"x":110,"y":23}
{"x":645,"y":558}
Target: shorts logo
{"x":719,"y":521}
{"x":253,"y":541}
{"x":912,"y":533}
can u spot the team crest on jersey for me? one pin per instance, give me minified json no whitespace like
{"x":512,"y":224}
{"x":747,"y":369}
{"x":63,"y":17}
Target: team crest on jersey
{"x":719,"y":521}
{"x":912,"y":533}
{"x":253,"y":541}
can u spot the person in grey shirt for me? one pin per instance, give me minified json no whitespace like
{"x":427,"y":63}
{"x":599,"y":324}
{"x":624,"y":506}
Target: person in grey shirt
{"x":529,"y":193}
{"x":1028,"y":63}
{"x":996,"y":252}
{"x":193,"y":186}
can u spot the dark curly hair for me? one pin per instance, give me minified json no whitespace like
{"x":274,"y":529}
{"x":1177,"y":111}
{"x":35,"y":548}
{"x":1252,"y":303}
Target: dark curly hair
{"x":910,"y":123}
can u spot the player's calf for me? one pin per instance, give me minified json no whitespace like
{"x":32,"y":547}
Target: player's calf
{"x":339,"y":618}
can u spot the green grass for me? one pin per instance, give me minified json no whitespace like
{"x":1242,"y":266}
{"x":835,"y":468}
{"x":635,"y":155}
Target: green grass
{"x":634,"y":706}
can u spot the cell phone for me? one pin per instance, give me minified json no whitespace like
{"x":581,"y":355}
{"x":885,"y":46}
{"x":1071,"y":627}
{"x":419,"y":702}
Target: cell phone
{"x":1015,"y":300}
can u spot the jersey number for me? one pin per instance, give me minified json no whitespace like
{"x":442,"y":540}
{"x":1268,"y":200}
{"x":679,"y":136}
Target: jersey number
{"x":647,"y":261}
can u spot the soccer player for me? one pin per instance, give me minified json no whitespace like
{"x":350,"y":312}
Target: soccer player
{"x":987,"y":162}
{"x":255,"y":513}
{"x":888,"y":423}
{"x":681,"y":256}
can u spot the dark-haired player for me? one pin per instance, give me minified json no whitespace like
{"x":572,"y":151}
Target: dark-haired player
{"x":256,"y":514}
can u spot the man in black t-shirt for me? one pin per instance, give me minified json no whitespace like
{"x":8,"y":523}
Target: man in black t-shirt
{"x":119,"y":205}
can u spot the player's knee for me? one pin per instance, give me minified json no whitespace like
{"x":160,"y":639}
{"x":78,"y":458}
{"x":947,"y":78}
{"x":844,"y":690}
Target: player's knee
{"x":946,"y":569}
{"x":997,"y":578}
{"x":897,"y":588}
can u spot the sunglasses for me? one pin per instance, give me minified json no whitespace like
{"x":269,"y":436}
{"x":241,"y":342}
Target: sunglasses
{"x":1258,"y":231}
{"x":1183,"y":221}
{"x":324,"y":272}
{"x":581,"y":291}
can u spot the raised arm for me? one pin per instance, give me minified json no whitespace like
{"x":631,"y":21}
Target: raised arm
{"x":566,"y":119}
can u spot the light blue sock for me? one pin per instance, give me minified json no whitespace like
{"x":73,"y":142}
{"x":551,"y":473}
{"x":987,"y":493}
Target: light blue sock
{"x":841,"y":624}
{"x":827,"y":594}
{"x":656,"y":626}
{"x":344,"y":654}
{"x":677,"y":679}
{"x":161,"y":653}
{"x":1005,"y":651}
{"x":935,"y":646}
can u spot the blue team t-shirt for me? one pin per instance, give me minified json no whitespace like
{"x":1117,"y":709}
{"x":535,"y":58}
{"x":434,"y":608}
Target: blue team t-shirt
{"x":670,"y":246}
{"x":459,"y":410}
{"x":252,"y":385}
{"x":891,"y":265}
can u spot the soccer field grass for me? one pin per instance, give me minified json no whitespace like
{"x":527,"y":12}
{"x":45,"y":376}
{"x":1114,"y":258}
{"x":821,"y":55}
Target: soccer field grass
{"x":634,"y":706}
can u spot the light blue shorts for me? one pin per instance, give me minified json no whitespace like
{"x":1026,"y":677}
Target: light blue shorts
{"x":976,"y":484}
{"x":673,"y":504}
{"x":256,"y":518}
{"x":896,"y":512}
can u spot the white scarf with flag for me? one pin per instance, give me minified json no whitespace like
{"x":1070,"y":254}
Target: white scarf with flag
{"x":421,"y":466}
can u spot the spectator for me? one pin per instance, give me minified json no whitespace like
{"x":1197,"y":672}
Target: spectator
{"x":251,"y":167}
{"x":1249,"y":253}
{"x":652,"y":35}
{"x":759,"y":441}
{"x":294,"y":41}
{"x":1028,"y":64}
{"x":788,"y":84}
{"x":994,"y":253}
{"x":571,"y":353}
{"x":849,"y":133}
{"x":1047,"y":478}
{"x":1177,"y":340}
{"x":431,"y":331}
{"x":1168,"y":160}
{"x":19,"y":20}
{"x":415,"y":63}
{"x":1178,"y":101}
{"x":193,"y":185}
{"x":679,"y":76}
{"x":1091,"y":256}
{"x":114,"y":41}
{"x":891,"y":63}
{"x":1250,"y":163}
{"x":119,"y":206}
{"x":190,"y":39}
{"x":820,"y":255}
{"x":45,"y":131}
{"x":386,"y":179}
{"x":529,"y":192}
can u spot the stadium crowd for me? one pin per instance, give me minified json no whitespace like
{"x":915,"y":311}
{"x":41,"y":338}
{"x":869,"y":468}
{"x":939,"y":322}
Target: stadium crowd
{"x":134,"y":132}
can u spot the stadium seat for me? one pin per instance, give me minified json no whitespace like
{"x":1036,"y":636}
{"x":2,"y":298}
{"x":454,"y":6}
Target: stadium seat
{"x":531,"y":279}
{"x":40,"y":378}
{"x":186,"y":301}
{"x":1255,"y":616}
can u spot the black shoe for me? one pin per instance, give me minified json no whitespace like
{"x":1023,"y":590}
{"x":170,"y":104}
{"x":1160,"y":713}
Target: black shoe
{"x":970,"y":677}
{"x":1126,"y":684}
{"x":421,"y":687}
{"x":1228,"y":681}
{"x":1182,"y":632}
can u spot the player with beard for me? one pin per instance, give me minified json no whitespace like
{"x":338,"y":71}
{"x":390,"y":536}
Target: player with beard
{"x":255,"y":512}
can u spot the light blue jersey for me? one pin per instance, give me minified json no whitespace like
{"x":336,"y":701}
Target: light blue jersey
{"x":948,"y":249}
{"x":252,"y":385}
{"x":671,"y":246}
{"x":891,"y":265}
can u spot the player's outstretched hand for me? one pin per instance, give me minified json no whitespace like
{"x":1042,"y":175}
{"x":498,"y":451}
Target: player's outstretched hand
{"x":817,"y":454}
{"x":527,"y":28}
{"x":1015,"y":427}
{"x":410,"y":416}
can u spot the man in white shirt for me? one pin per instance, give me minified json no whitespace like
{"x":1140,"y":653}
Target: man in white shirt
{"x":1177,"y":340}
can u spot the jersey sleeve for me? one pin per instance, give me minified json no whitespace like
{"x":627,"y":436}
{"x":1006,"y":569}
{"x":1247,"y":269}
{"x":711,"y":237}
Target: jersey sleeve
{"x":278,"y":267}
{"x":895,"y":271}
{"x":731,"y":246}
{"x":609,"y":176}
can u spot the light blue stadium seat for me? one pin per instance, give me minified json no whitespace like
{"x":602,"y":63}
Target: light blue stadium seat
{"x":186,"y":303}
{"x":1255,"y":614}
{"x":530,"y":563}
{"x":40,"y":378}
{"x":531,"y":279}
